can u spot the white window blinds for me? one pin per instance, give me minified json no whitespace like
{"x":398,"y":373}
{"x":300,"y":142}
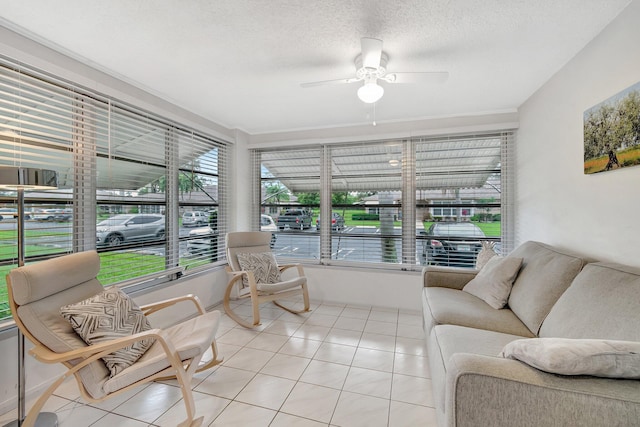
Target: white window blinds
{"x":126,"y":176}
{"x":396,"y":203}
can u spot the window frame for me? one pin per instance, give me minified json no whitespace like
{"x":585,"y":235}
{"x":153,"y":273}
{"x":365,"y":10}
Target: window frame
{"x":408,"y":205}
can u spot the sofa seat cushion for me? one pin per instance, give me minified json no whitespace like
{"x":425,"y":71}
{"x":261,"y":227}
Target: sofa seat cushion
{"x":459,"y":339}
{"x":446,"y":340}
{"x":601,"y":303}
{"x":445,"y":306}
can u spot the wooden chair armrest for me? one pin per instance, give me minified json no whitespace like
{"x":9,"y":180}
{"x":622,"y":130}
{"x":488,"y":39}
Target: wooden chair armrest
{"x":148,"y":309}
{"x":237,"y":276}
{"x":95,"y":351}
{"x":284,"y":267}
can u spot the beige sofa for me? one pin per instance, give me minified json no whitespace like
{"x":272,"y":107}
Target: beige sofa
{"x":555,"y":294}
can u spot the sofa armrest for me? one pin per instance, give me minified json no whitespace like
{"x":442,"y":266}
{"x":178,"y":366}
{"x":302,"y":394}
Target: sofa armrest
{"x":447,"y":277}
{"x":483,"y":390}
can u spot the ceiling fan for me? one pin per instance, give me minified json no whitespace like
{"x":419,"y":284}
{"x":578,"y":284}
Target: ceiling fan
{"x":371,"y":66}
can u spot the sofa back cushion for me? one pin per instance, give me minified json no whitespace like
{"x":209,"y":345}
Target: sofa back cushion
{"x":545,"y":274}
{"x":601,"y":303}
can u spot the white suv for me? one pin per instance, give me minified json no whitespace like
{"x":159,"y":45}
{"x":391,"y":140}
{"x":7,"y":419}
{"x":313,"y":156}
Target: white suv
{"x":194,"y":218}
{"x":127,"y":227}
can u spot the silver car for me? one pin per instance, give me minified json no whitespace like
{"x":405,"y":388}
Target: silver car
{"x":129,"y":227}
{"x":194,"y":218}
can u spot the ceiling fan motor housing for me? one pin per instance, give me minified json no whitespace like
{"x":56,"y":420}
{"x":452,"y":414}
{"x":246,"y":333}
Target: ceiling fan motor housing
{"x":363,"y":72}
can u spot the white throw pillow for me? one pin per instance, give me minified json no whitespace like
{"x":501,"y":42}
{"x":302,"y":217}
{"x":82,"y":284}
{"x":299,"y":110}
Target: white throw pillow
{"x":493,"y":283}
{"x":565,"y":356}
{"x":106,"y":316}
{"x":263,"y":264}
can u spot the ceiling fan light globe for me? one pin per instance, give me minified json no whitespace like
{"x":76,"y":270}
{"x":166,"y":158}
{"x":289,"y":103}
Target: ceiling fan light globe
{"x":370,"y":92}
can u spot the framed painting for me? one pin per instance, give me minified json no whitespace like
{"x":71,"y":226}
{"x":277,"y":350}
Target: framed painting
{"x":612,"y":132}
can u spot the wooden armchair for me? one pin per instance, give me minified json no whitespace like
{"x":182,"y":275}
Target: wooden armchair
{"x":254,"y":271}
{"x":37,"y":292}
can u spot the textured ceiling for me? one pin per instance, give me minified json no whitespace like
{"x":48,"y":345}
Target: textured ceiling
{"x":240,"y":62}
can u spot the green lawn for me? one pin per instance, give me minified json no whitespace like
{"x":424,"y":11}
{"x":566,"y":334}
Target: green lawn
{"x":491,"y":229}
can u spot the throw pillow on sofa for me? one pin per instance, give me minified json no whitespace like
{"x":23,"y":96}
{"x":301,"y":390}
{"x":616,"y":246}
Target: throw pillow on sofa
{"x":565,"y":356}
{"x":493,"y":283}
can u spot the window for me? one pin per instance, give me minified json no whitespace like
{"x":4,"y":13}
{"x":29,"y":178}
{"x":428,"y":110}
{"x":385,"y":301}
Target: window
{"x":458,"y":197}
{"x":289,"y":195}
{"x":366,"y":202}
{"x":202,"y":200}
{"x":402,"y":203}
{"x":125,"y":176}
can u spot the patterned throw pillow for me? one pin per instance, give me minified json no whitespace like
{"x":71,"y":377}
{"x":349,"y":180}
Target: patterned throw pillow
{"x":109,"y":315}
{"x":263,"y":264}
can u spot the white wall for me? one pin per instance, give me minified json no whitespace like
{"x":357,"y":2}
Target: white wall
{"x":241,"y":192}
{"x":364,"y":286}
{"x":489,"y":122}
{"x":556,"y":203}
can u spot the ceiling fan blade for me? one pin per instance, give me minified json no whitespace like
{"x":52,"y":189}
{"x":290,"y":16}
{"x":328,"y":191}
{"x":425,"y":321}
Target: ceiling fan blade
{"x":371,"y":52}
{"x":433,"y":77}
{"x":330,"y":82}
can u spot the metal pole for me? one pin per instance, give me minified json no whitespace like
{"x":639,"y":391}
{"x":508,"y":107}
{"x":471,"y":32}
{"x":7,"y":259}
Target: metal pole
{"x":45,"y":419}
{"x":21,"y":357}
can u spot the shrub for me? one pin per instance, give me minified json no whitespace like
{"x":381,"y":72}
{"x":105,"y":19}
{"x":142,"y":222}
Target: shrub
{"x":365,"y":217}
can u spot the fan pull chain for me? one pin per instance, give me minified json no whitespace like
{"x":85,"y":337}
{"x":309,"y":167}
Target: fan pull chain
{"x":374,"y":113}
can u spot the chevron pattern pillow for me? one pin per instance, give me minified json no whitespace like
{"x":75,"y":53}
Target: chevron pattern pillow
{"x":263,"y":264}
{"x":106,"y":316}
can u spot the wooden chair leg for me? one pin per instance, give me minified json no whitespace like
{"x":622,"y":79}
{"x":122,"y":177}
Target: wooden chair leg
{"x":184,"y":377}
{"x":32,"y":416}
{"x":229,"y":311}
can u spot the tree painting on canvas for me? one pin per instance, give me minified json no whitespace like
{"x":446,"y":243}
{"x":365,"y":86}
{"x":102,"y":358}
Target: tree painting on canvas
{"x":612,"y":132}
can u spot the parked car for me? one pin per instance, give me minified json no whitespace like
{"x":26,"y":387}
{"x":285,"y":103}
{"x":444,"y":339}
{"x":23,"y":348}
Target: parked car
{"x":337,"y":222}
{"x":453,"y":244}
{"x":63,"y":215}
{"x":268,"y":224}
{"x":129,"y":227}
{"x":44,"y":214}
{"x":200,"y":240}
{"x":297,"y":219}
{"x":194,"y":218}
{"x":6,"y":213}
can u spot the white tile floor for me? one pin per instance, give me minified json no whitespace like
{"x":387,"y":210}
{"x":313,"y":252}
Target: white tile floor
{"x":335,"y":366}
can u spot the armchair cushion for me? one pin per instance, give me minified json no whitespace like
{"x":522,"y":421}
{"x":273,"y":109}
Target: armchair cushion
{"x":566,"y":356}
{"x":106,"y":316}
{"x":189,"y":338}
{"x":262,"y":264}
